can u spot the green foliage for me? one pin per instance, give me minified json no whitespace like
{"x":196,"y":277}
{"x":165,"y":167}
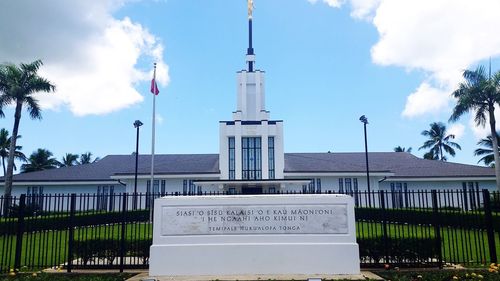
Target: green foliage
{"x":108,"y":250}
{"x":62,"y":221}
{"x":439,"y":275}
{"x":438,"y":142}
{"x":401,"y":250}
{"x":40,"y":160}
{"x":5,"y":141}
{"x":18,"y":86}
{"x":457,"y":219}
{"x":486,"y":151}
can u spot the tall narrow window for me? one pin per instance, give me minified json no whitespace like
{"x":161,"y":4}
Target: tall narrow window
{"x":271,"y":157}
{"x":232,"y":161}
{"x":156,"y":187}
{"x":192,"y":188}
{"x":318,"y":185}
{"x":348,"y":185}
{"x":355,"y":186}
{"x":251,"y":158}
{"x":152,"y":192}
{"x":341,"y":185}
{"x":311,"y":186}
{"x":184,"y":187}
{"x":163,"y":187}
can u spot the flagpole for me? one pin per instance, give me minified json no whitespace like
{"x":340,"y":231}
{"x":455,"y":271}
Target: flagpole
{"x":153,"y":134}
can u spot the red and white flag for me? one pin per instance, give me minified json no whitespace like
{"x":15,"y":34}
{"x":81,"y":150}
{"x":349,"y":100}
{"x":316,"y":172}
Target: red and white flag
{"x":154,"y":87}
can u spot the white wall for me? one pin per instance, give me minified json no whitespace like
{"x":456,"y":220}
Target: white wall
{"x":449,"y":184}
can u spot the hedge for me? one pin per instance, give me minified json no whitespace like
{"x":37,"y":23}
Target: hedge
{"x":400,"y":251}
{"x":372,"y":250}
{"x":456,"y":219}
{"x":61,"y":222}
{"x":108,"y":250}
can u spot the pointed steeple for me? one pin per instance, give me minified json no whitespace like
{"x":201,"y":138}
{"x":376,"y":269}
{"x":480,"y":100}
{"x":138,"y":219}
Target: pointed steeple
{"x":250,"y":52}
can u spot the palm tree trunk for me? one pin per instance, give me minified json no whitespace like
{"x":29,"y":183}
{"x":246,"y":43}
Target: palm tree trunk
{"x":10,"y":161}
{"x":495,"y":144}
{"x":441,"y":150}
{"x":3,"y":165}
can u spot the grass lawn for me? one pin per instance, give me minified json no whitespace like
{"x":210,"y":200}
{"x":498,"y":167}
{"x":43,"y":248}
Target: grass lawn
{"x":49,"y":248}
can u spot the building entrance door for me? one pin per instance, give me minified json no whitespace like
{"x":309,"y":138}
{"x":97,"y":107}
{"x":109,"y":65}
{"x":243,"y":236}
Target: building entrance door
{"x":251,"y":190}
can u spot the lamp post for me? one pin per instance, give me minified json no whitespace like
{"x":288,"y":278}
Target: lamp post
{"x":137,"y":124}
{"x":364,"y":120}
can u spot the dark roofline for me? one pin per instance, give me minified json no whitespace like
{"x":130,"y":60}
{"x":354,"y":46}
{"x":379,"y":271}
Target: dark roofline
{"x":340,"y":172}
{"x":438,"y":177}
{"x":160,"y":174}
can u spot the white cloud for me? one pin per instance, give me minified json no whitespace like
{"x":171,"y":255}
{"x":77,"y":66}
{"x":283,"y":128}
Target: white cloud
{"x":426,"y":99}
{"x":439,"y":38}
{"x":457,"y":130}
{"x":364,"y":9}
{"x":331,"y":3}
{"x":91,"y":56}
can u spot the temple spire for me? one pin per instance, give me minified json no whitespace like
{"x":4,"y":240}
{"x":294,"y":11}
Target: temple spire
{"x":250,"y":52}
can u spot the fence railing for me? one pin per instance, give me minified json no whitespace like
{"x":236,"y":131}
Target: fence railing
{"x":84,"y":231}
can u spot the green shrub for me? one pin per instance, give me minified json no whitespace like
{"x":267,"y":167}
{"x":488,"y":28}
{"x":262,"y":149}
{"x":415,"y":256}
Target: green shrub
{"x":400,"y":251}
{"x":108,"y":250}
{"x":62,"y":221}
{"x":465,"y":220}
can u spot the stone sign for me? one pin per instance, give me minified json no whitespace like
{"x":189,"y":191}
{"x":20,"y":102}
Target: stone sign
{"x":263,"y":219}
{"x":254,"y":235}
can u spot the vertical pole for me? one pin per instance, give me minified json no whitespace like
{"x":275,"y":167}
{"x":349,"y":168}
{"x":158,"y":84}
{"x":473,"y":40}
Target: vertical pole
{"x":134,"y":204}
{"x":384,"y":226}
{"x":20,"y":231}
{"x":367,"y":167}
{"x":153,"y":131}
{"x":123,"y":230}
{"x":71,"y":231}
{"x":488,"y":219}
{"x":437,"y":228}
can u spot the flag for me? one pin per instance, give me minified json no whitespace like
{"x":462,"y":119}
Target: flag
{"x":154,"y":87}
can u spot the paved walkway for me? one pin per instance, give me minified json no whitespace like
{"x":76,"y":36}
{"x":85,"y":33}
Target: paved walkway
{"x":363,"y":276}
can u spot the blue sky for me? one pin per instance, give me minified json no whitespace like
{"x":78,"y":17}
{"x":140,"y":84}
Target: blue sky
{"x":326,"y":62}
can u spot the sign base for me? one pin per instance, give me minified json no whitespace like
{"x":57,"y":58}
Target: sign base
{"x":254,"y":235}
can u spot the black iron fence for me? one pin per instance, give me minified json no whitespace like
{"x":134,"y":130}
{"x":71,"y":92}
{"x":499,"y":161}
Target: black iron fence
{"x":88,"y":231}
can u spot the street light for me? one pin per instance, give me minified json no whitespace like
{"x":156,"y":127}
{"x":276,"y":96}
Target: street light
{"x":137,"y":124}
{"x":364,"y":120}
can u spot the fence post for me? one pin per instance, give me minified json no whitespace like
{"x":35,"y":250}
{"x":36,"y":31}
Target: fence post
{"x":20,"y":232}
{"x":123,"y":230}
{"x":71,"y":231}
{"x":384,"y":226}
{"x":437,"y":228}
{"x":488,"y":219}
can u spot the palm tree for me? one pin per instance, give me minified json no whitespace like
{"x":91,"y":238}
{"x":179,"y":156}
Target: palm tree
{"x":402,"y":149}
{"x":478,"y":94}
{"x":5,"y":141}
{"x":487,"y":152}
{"x":40,"y":160}
{"x":18,"y":84}
{"x":86,"y":158}
{"x":438,"y":142}
{"x":69,"y":160}
{"x":431,"y":156}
